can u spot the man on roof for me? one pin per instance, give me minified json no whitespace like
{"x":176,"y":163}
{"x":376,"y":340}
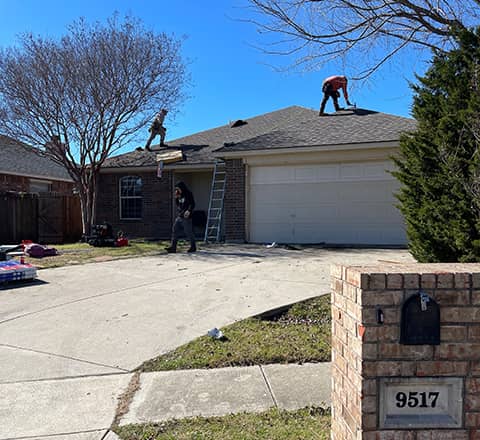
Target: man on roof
{"x":330,"y":89}
{"x":157,"y":128}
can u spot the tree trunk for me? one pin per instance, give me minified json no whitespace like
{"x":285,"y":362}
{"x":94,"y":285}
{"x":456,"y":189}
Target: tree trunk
{"x":88,"y":196}
{"x":83,"y":207}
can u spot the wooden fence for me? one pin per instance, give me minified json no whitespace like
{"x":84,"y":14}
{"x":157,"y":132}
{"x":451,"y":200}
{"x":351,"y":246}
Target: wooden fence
{"x":42,"y":218}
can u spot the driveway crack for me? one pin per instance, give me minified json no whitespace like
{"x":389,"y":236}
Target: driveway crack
{"x":269,"y":386}
{"x":71,"y":358}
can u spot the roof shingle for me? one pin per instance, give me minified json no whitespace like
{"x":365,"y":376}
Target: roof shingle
{"x":286,"y":128}
{"x":345,"y":127}
{"x":23,"y":160}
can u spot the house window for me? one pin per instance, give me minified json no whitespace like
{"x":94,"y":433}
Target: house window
{"x":131,"y":199}
{"x":40,"y":186}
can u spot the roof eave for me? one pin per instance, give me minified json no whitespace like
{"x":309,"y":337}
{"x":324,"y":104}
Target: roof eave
{"x":305,"y":149}
{"x":150,"y":168}
{"x":37,"y":176}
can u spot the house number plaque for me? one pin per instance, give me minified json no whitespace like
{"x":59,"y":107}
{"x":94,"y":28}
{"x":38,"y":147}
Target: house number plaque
{"x":420,"y":403}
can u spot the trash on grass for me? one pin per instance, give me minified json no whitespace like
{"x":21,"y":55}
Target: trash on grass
{"x":215,"y":333}
{"x":36,"y":250}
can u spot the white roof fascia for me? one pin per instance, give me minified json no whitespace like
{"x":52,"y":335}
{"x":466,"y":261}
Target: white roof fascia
{"x":176,"y":167}
{"x":293,"y":150}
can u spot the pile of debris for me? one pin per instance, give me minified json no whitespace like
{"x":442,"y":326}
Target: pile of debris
{"x":102,"y":236}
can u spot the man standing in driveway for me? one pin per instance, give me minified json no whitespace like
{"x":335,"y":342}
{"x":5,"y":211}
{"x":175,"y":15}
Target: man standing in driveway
{"x":330,"y":89}
{"x":185,"y":205}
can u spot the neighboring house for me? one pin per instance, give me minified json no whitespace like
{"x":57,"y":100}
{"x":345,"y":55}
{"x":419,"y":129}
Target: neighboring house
{"x":23,"y":170}
{"x":292,"y":177}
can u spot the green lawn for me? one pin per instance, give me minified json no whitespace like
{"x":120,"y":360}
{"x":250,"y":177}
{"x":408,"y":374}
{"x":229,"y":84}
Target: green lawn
{"x":304,"y":424}
{"x":80,"y":253}
{"x":302,"y":334}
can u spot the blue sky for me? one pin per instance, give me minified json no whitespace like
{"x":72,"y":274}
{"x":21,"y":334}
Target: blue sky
{"x":231,"y":79}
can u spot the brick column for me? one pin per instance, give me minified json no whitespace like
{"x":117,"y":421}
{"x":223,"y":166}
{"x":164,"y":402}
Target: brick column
{"x":234,"y":203}
{"x":365,"y":352}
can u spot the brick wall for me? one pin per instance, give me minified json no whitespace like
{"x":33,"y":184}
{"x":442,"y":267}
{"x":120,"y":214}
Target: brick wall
{"x":157,"y":205}
{"x":358,"y":363}
{"x":234,"y":204}
{"x":22,"y":184}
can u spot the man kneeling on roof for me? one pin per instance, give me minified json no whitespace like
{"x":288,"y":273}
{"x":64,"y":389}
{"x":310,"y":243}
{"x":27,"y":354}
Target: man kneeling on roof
{"x":330,"y":89}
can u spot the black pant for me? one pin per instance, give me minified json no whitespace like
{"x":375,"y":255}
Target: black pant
{"x":328,"y":92}
{"x":184,"y":224}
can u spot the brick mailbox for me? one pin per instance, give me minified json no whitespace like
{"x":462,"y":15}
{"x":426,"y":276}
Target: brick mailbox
{"x":406,"y":352}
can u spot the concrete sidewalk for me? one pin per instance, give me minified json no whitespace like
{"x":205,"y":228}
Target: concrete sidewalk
{"x":217,"y":392}
{"x":83,"y":408}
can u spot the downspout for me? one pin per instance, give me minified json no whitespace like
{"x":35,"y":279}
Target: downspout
{"x":247,"y":202}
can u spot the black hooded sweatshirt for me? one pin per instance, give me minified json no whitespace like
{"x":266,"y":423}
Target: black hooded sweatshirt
{"x":185,"y":202}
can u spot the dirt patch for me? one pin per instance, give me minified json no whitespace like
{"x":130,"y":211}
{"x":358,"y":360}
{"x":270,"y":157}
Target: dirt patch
{"x":126,"y":398}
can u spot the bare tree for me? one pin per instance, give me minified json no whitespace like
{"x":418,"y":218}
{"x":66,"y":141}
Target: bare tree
{"x":80,"y":98}
{"x":366,"y":33}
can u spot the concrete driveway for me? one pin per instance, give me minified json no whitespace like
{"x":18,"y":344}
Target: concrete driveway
{"x":69,"y":342}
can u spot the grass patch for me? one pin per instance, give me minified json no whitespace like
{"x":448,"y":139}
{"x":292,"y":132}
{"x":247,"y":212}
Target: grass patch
{"x":81,"y":253}
{"x":308,"y":423}
{"x":301,"y":334}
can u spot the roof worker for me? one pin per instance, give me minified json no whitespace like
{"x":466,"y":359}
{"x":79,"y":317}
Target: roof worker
{"x":157,"y":128}
{"x":330,"y":89}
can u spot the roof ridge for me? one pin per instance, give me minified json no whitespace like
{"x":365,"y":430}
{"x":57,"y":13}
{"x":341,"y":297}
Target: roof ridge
{"x":251,"y":118}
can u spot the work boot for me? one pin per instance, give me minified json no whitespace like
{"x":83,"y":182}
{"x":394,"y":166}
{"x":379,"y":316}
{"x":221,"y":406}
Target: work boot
{"x":172,"y":248}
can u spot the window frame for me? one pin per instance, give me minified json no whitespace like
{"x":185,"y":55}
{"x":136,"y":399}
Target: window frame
{"x":121,"y":198}
{"x":33,"y":182}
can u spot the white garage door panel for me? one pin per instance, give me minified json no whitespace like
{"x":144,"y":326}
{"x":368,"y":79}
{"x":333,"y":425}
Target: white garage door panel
{"x":287,"y":214}
{"x":335,"y":203}
{"x":289,"y":193}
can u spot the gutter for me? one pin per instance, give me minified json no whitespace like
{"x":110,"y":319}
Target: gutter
{"x":175,"y":167}
{"x":305,"y":149}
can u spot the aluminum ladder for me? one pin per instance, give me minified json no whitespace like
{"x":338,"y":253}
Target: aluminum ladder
{"x":215,"y":206}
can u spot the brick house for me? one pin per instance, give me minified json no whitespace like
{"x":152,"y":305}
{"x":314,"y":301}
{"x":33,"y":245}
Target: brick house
{"x":23,"y":170}
{"x":292,"y":177}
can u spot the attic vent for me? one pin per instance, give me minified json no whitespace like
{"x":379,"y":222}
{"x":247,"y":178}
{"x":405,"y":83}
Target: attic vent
{"x":238,"y":123}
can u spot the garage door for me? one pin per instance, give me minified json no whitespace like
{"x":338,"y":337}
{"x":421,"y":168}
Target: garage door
{"x":350,"y":203}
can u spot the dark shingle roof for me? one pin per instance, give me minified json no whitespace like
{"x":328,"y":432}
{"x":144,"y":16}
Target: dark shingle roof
{"x":198,"y":147}
{"x":23,"y":160}
{"x":289,"y":127}
{"x":344,"y":127}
